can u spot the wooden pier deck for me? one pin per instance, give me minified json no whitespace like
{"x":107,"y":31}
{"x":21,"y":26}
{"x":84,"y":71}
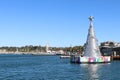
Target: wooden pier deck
{"x":115,"y":57}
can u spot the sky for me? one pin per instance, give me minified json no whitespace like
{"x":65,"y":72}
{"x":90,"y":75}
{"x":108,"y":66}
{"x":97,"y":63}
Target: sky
{"x":59,"y":23}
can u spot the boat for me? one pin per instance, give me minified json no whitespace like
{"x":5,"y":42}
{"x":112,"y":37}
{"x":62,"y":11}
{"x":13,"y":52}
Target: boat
{"x":65,"y":56}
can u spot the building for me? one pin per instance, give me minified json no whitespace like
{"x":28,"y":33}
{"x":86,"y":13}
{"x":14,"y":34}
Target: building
{"x":110,"y":48}
{"x":48,"y":49}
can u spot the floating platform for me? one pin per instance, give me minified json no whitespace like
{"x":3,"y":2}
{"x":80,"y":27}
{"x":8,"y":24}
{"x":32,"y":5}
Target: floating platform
{"x":79,"y":59}
{"x":64,"y":56}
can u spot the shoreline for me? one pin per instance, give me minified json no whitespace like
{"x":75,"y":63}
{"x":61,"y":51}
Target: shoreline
{"x":27,"y":53}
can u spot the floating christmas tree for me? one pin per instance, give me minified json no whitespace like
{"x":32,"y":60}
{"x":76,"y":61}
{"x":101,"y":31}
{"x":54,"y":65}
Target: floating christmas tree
{"x":91,"y":46}
{"x":91,"y":53}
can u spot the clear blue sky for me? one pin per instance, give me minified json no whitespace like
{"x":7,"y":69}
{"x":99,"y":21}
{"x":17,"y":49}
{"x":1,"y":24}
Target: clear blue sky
{"x":57,"y":22}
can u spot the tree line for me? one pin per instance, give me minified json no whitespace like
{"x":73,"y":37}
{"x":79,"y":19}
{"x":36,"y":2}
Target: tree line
{"x":31,"y":48}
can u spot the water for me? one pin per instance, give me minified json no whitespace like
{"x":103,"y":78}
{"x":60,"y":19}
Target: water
{"x":29,"y":67}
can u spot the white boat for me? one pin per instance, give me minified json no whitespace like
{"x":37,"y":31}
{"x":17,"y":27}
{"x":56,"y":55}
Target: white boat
{"x":65,"y":56}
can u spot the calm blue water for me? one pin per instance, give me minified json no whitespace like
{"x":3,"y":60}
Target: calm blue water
{"x":29,"y":67}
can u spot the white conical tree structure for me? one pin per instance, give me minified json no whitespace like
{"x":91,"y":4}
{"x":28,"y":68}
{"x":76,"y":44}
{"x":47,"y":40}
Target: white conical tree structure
{"x":91,"y":53}
{"x":91,"y":46}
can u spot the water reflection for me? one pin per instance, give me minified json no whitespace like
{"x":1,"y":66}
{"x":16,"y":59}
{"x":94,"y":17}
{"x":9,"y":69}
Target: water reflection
{"x":93,"y":71}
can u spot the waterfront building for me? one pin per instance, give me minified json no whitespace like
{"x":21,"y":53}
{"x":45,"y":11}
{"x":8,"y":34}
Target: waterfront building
{"x":110,"y":48}
{"x":48,"y":48}
{"x":3,"y":51}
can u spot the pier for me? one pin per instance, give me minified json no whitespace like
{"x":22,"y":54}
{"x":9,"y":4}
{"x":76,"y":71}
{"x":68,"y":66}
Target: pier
{"x":115,"y":57}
